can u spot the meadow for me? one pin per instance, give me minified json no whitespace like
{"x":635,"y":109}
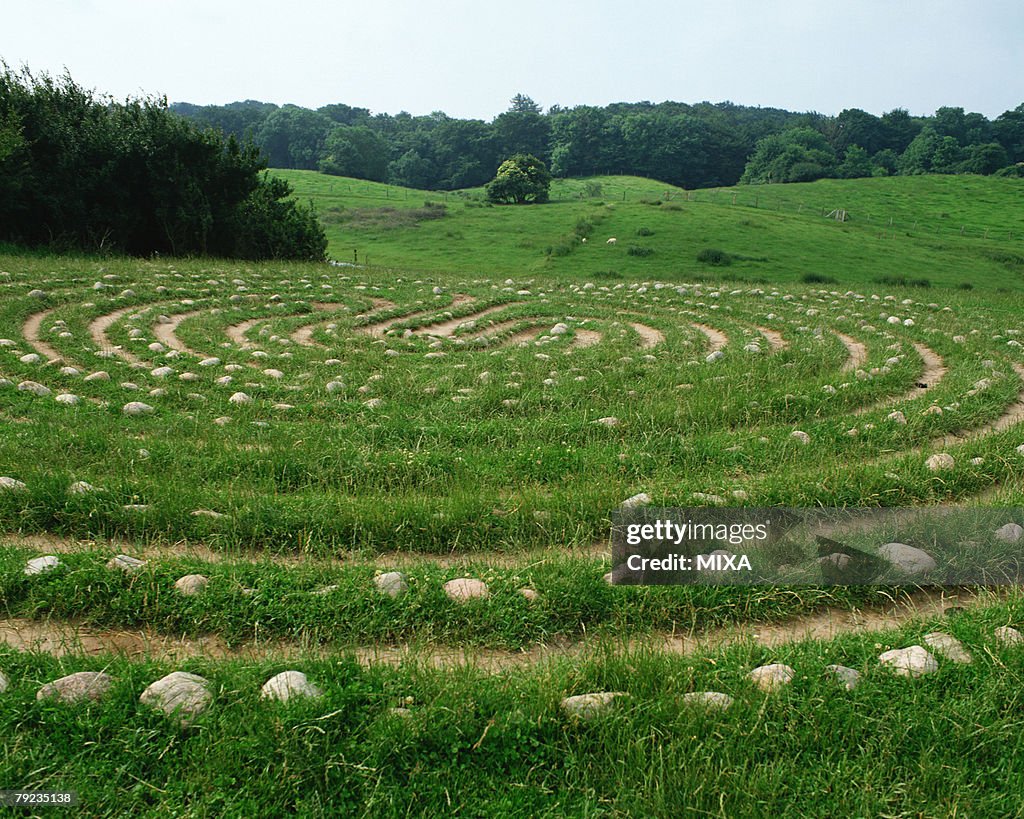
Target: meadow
{"x":471,"y":392}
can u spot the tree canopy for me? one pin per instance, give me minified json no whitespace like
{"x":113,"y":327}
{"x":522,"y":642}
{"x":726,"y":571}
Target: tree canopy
{"x":521,"y":179}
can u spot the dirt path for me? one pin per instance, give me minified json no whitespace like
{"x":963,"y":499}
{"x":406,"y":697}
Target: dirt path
{"x":445,"y":329}
{"x":858,"y":353}
{"x":649,"y":337}
{"x":774,"y":338}
{"x":98,"y":332}
{"x":303,"y":335}
{"x":63,"y":637}
{"x":716,"y":338}
{"x":165,"y":333}
{"x":378,"y":329}
{"x":31,"y":330}
{"x":934,"y":371}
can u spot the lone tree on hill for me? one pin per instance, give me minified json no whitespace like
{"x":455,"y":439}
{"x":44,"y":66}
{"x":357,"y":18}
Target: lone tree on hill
{"x":521,"y":179}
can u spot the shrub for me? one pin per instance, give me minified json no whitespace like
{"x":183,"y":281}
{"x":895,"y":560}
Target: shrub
{"x":644,"y":231}
{"x":818,"y":278}
{"x":584,"y":227}
{"x":714,"y":256}
{"x":637,"y":250}
{"x":903,"y":281}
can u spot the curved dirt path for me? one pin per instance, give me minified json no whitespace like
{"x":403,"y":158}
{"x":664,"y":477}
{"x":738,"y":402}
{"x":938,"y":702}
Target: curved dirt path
{"x":447,"y":328}
{"x":649,"y":337}
{"x":934,"y":371}
{"x":303,"y":335}
{"x":31,"y":330}
{"x":98,"y":332}
{"x":61,"y":638}
{"x":379,"y":328}
{"x":774,"y":338}
{"x":716,"y":338}
{"x":857,"y":352}
{"x":165,"y":333}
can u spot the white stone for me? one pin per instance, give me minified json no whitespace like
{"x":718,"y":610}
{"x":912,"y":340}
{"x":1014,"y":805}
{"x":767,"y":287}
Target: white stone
{"x":945,"y":645}
{"x":288,"y":684}
{"x":162,"y":372}
{"x":137,"y":408}
{"x":392,"y":584}
{"x":81,"y":488}
{"x":463,"y":589}
{"x":9,"y":484}
{"x":607,"y":421}
{"x":191,"y":584}
{"x":4,"y":682}
{"x":35,"y":388}
{"x":771,"y":677}
{"x":711,"y":700}
{"x":126,"y":563}
{"x":68,"y":399}
{"x":30,"y":358}
{"x":711,"y":358}
{"x":588,"y":706}
{"x":38,"y":565}
{"x":1008,"y":635}
{"x":84,"y":685}
{"x":99,"y":375}
{"x":939,"y":461}
{"x":848,"y":677}
{"x":178,"y":694}
{"x":897,"y":417}
{"x":908,"y":558}
{"x":1009,"y":533}
{"x":909,"y":662}
{"x":209,"y":362}
{"x":240,"y":398}
{"x":801,"y":436}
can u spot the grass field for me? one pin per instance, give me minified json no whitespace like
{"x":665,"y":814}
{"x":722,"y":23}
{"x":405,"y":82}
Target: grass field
{"x":474,"y":400}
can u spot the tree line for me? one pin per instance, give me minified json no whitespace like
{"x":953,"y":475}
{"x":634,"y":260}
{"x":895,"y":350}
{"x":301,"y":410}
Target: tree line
{"x":80,"y":171}
{"x":693,"y":146}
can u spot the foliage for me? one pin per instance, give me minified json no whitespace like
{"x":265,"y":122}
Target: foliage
{"x":795,"y":155}
{"x":714,"y":256}
{"x":355,"y":151}
{"x":93,"y":174}
{"x":521,"y":179}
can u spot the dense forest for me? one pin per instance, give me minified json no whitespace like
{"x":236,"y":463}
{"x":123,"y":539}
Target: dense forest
{"x":694,"y":146}
{"x":80,"y":171}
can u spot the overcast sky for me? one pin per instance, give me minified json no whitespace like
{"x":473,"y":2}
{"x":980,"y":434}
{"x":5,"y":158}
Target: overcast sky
{"x":468,"y":57}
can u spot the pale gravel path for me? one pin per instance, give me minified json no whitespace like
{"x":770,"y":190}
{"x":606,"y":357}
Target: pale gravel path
{"x":857,"y":352}
{"x":31,"y":330}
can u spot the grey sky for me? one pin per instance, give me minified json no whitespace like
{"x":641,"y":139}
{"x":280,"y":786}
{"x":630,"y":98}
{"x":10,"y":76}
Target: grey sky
{"x":468,"y":57}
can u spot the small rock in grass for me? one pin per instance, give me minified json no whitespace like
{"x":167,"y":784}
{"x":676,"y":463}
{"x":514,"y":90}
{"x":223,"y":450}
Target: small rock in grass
{"x":240,"y":398}
{"x":847,"y":677}
{"x":30,"y":358}
{"x":609,"y":421}
{"x":81,"y":488}
{"x":373,"y":403}
{"x":711,"y":700}
{"x":207,"y":513}
{"x":11,"y":484}
{"x":37,"y":294}
{"x":908,"y":558}
{"x":162,"y":372}
{"x":1010,"y":533}
{"x":137,"y":408}
{"x":711,"y":358}
{"x":947,"y":646}
{"x":178,"y":694}
{"x":588,"y":706}
{"x":462,"y":589}
{"x":1009,"y":636}
{"x":209,"y":362}
{"x":191,"y":584}
{"x":289,"y":684}
{"x":68,"y":399}
{"x":801,"y":436}
{"x":770,"y":677}
{"x":1020,"y":449}
{"x":939,"y":461}
{"x":35,"y":388}
{"x":101,"y":375}
{"x":325,"y":590}
{"x":909,"y":662}
{"x":85,"y":685}
{"x":897,"y":417}
{"x":4,"y":682}
{"x":38,"y":565}
{"x":126,"y":563}
{"x":530,"y":594}
{"x":642,"y":499}
{"x":392,"y":584}
{"x":222,"y":420}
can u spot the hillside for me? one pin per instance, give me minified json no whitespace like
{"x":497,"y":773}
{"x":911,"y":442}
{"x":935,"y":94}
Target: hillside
{"x":942,"y":231}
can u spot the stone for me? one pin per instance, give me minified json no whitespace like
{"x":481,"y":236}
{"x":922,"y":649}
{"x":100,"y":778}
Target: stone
{"x":84,"y":685}
{"x":530,"y":594}
{"x":801,"y":436}
{"x":940,"y":461}
{"x":137,"y":408}
{"x":641,"y":499}
{"x":710,"y":700}
{"x":1010,"y":533}
{"x":392,"y":584}
{"x":82,"y":488}
{"x":288,"y":684}
{"x":913,"y":661}
{"x":846,"y":676}
{"x":1009,"y":636}
{"x":908,"y":558}
{"x":35,"y":388}
{"x":99,"y":375}
{"x":68,"y":399}
{"x":945,"y":645}
{"x":9,"y":484}
{"x":126,"y":563}
{"x":179,"y":694}
{"x":38,"y":565}
{"x":191,"y":584}
{"x":608,"y":421}
{"x":240,"y":398}
{"x":4,"y":682}
{"x":588,"y":706}
{"x":896,"y":417}
{"x":463,"y":589}
{"x":771,"y":677}
{"x":711,"y":358}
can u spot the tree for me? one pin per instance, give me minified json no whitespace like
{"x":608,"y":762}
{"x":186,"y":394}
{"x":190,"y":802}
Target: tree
{"x":293,"y":137}
{"x":984,"y":159}
{"x":855,"y":164}
{"x":795,"y":155}
{"x":521,"y":179}
{"x":355,"y":151}
{"x":522,"y":129}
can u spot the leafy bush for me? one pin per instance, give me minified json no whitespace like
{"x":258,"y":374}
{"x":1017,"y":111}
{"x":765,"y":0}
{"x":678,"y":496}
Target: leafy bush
{"x":818,"y":278}
{"x":714,"y":256}
{"x":584,"y":227}
{"x":644,"y":231}
{"x":638,"y":250}
{"x":521,"y":179}
{"x":902,"y":281}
